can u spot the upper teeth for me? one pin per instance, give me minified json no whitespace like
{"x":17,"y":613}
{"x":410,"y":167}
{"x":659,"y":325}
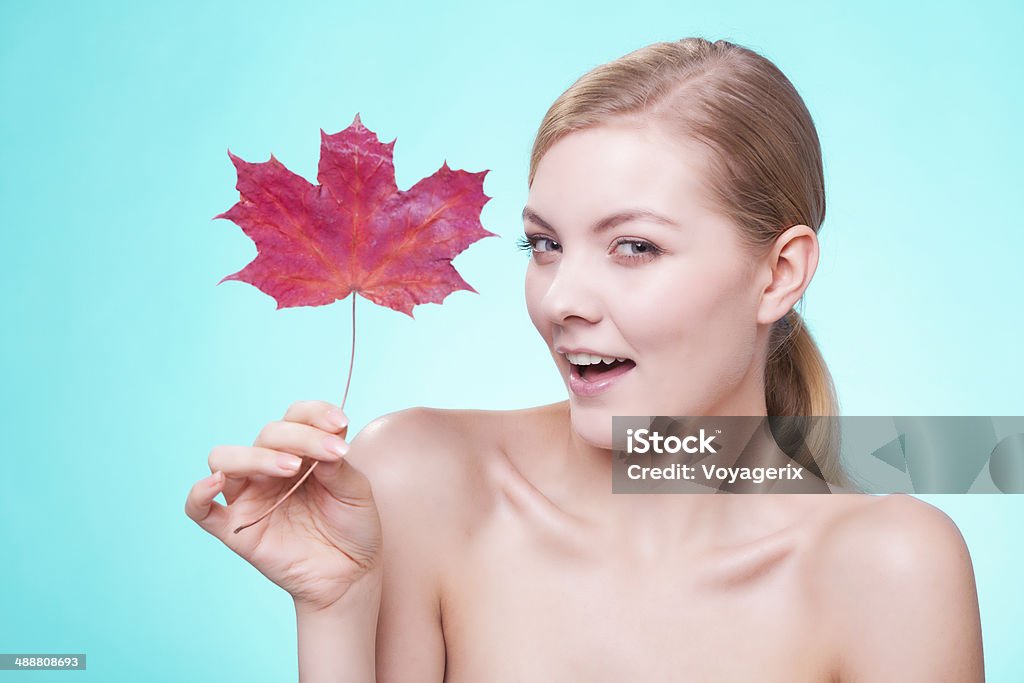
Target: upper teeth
{"x":590,"y":359}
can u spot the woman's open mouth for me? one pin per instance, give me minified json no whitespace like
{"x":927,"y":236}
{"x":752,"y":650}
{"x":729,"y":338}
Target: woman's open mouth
{"x":590,"y":375}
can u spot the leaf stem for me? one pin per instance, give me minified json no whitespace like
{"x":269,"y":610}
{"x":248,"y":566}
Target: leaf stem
{"x":351,"y":365}
{"x":352,"y":358}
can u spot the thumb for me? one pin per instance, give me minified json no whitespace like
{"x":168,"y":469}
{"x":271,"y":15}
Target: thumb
{"x":343,"y":481}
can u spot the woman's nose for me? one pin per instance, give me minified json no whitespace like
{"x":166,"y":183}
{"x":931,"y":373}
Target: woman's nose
{"x":572,"y":291}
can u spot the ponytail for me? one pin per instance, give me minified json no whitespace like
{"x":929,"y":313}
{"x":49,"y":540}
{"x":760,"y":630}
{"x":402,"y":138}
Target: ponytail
{"x":798,"y":383}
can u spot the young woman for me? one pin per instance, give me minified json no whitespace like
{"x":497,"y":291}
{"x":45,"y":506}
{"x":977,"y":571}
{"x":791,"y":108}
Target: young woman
{"x":674,"y":203}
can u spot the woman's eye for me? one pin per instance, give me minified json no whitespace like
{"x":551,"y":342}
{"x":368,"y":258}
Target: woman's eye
{"x":637,"y":249}
{"x":529,"y":243}
{"x":631,"y":249}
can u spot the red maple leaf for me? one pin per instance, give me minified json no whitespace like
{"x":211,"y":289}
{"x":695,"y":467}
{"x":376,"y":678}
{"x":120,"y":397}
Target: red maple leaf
{"x":356,"y":231}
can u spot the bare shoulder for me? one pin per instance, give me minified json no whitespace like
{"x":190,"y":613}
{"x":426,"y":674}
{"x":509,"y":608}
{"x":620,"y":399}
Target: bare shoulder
{"x":896,"y":583}
{"x":418,"y":447}
{"x":895,"y":537}
{"x":408,"y":442}
{"x":430,"y":458}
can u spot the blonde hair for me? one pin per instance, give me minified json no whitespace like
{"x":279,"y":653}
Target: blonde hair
{"x":766,"y":175}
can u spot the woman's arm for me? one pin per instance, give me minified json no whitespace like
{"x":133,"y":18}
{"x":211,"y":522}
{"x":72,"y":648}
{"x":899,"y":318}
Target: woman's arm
{"x":407,"y":457}
{"x":902,"y":596}
{"x":338,"y":643}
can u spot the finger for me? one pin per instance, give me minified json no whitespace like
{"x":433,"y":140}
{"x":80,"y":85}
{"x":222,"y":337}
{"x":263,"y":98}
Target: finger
{"x":203,"y":510}
{"x":343,"y":482}
{"x":239,"y":463}
{"x":301,"y":439}
{"x":320,"y":414}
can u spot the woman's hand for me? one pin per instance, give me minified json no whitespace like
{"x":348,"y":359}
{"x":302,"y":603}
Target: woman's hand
{"x":320,"y":541}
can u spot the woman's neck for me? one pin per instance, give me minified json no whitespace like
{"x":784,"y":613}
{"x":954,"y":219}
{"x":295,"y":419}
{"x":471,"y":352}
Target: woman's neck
{"x":586,"y":474}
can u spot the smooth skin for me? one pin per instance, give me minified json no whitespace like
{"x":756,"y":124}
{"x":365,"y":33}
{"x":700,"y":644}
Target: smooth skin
{"x":487,"y":546}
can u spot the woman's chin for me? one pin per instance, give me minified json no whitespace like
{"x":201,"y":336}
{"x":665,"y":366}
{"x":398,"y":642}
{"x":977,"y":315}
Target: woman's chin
{"x":595,"y":432}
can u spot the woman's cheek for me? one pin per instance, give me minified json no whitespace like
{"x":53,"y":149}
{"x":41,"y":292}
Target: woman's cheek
{"x":534,"y":290}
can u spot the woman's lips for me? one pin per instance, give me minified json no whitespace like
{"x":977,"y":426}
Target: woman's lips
{"x":587,"y":387}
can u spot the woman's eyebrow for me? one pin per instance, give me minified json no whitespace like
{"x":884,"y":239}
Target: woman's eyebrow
{"x":607,"y":222}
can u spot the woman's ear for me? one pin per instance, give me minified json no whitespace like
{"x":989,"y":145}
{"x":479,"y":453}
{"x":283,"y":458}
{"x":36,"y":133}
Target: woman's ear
{"x":791,"y":264}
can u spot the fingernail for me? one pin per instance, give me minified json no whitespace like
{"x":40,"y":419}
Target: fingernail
{"x":214,"y":479}
{"x":337,"y":418}
{"x":336,"y":445}
{"x":288,"y":463}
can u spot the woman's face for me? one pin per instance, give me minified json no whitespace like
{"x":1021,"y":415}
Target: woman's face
{"x":680,"y":298}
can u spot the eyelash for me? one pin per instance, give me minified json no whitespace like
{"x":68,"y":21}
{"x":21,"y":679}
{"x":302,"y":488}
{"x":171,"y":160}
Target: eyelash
{"x":528,"y":243}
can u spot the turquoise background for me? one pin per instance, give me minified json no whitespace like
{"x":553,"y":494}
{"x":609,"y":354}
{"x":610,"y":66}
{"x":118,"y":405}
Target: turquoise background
{"x":123,"y":364}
